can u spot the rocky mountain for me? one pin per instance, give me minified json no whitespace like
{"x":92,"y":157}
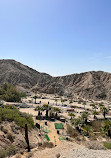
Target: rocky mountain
{"x":18,"y":74}
{"x":89,"y":85}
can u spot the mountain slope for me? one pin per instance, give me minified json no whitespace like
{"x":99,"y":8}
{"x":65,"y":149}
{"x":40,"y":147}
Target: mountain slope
{"x":19,"y":74}
{"x":89,"y":85}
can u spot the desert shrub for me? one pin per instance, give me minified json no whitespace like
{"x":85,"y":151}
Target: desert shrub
{"x":58,"y":155}
{"x":29,"y":155}
{"x":94,"y":145}
{"x":57,"y":109}
{"x":87,"y":130}
{"x":93,"y":137}
{"x":4,"y":130}
{"x":10,"y":94}
{"x":10,"y":137}
{"x":7,"y":113}
{"x":30,"y":101}
{"x":79,"y":139}
{"x":18,"y":156}
{"x":79,"y":102}
{"x":71,"y":131}
{"x":84,"y":103}
{"x":96,"y":125}
{"x":70,"y":101}
{"x":3,"y":154}
{"x":28,"y":118}
{"x":63,"y":100}
{"x":47,"y":145}
{"x":46,"y":107}
{"x":8,"y":152}
{"x":11,"y":150}
{"x":21,"y":121}
{"x":43,"y":107}
{"x":38,"y":108}
{"x":107,"y":145}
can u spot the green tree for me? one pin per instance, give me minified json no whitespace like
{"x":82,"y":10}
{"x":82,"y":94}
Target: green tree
{"x":35,"y":97}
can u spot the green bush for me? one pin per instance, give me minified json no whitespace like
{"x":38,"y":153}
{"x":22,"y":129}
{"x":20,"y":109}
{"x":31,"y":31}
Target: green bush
{"x":70,"y":101}
{"x":9,"y":113}
{"x":3,"y":153}
{"x":8,"y":152}
{"x":107,"y":145}
{"x":57,"y":109}
{"x":10,"y":94}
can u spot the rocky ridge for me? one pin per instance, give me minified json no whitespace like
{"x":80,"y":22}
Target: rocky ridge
{"x":89,"y":85}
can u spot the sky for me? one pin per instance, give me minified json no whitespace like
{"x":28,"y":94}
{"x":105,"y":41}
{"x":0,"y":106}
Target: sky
{"x":58,"y":37}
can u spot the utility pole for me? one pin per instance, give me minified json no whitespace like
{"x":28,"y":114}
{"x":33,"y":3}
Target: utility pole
{"x":26,"y":137}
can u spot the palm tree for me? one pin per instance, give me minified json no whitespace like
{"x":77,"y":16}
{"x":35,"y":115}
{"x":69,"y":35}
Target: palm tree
{"x":46,"y":107}
{"x":35,"y":97}
{"x":105,"y":111}
{"x":78,"y":124}
{"x":38,"y":108}
{"x":84,"y":116}
{"x":95,"y":113}
{"x":107,"y":127}
{"x":87,"y":129}
{"x":56,"y":109}
{"x":72,"y":115}
{"x":56,"y":101}
{"x":101,"y":106}
{"x":93,"y":105}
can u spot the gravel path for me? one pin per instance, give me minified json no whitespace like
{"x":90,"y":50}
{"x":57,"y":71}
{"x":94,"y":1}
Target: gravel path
{"x":86,"y":153}
{"x":71,"y":150}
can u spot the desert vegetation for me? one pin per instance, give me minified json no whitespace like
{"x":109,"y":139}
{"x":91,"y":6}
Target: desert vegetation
{"x":8,"y":152}
{"x":11,"y":113}
{"x":9,"y":93}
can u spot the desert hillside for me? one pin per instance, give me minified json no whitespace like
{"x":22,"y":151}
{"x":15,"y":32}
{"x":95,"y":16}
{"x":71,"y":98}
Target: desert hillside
{"x":89,"y":85}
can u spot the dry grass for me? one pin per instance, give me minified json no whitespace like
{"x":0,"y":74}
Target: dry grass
{"x":47,"y":145}
{"x":58,"y":155}
{"x":10,"y":137}
{"x":94,"y":145}
{"x":3,"y":129}
{"x":18,"y":156}
{"x":71,"y":131}
{"x":29,"y":155}
{"x":96,"y":125}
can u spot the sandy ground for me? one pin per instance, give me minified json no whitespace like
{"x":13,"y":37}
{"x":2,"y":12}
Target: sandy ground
{"x":68,"y":150}
{"x":51,"y":126}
